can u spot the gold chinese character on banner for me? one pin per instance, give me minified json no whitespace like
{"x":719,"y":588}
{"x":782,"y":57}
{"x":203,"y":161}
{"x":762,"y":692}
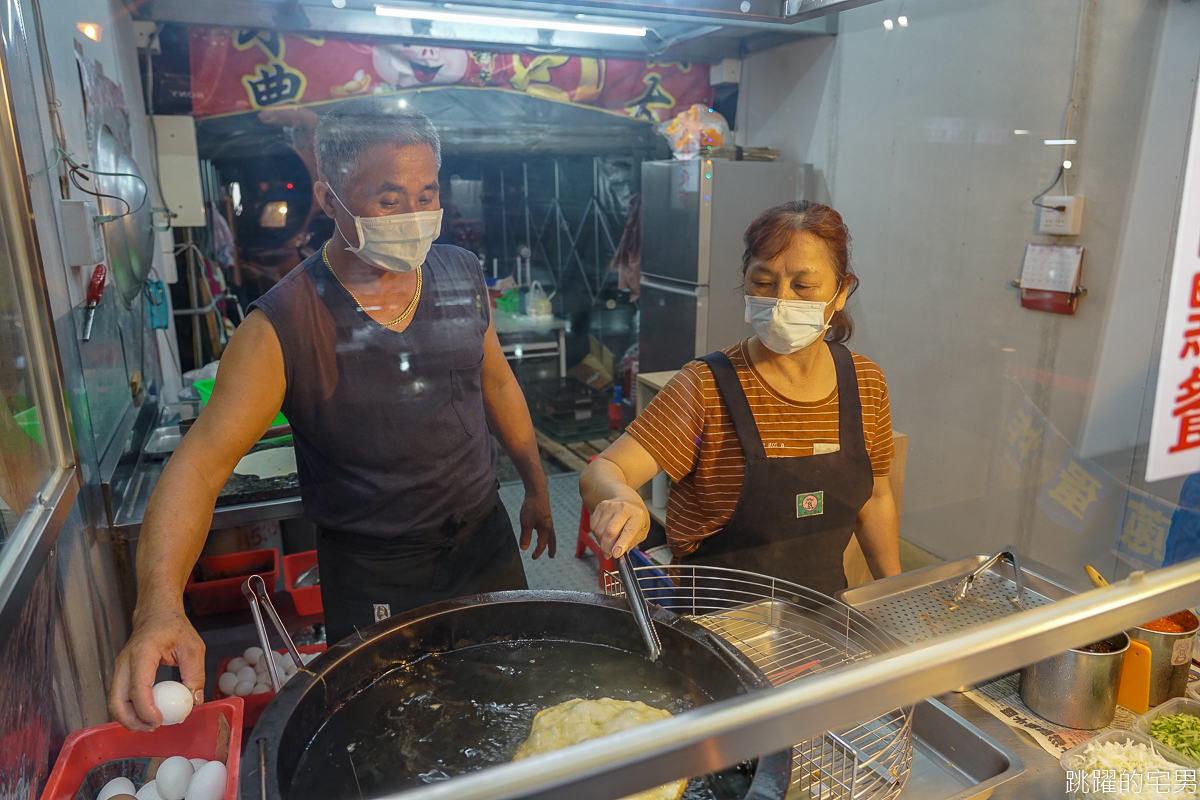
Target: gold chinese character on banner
{"x":1076,"y":490}
{"x":1023,"y":434}
{"x":1145,"y":531}
{"x":274,"y":83}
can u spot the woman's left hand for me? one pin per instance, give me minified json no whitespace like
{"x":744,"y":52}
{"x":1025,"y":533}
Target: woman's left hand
{"x":535,"y":515}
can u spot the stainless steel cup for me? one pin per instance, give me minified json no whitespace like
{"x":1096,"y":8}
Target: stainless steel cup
{"x":1077,"y":688}
{"x":1170,"y":657}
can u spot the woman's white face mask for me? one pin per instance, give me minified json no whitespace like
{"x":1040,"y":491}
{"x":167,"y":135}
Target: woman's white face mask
{"x":785,"y":326}
{"x":396,"y":242}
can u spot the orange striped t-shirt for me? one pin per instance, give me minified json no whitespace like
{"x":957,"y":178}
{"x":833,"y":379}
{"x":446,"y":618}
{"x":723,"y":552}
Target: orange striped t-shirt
{"x":690,"y":434}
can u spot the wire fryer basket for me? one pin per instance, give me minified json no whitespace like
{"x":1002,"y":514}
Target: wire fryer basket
{"x":791,"y":632}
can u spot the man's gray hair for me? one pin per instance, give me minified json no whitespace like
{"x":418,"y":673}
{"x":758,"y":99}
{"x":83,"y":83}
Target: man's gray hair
{"x":342,"y":135}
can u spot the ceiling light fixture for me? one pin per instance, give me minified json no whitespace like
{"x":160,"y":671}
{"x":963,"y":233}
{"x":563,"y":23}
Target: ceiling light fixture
{"x":339,"y":3}
{"x":887,"y":25}
{"x":508,"y":22}
{"x":1060,"y":141}
{"x":1020,"y":132}
{"x":1066,"y":165}
{"x":903,"y":21}
{"x":89,"y":29}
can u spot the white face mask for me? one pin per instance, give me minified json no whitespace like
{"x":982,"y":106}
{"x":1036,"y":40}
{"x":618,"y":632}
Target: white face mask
{"x":396,"y":242}
{"x":785,"y":326}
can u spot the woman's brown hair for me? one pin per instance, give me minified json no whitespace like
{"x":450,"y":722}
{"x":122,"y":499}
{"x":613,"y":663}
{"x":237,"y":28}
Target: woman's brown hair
{"x":776,"y":228}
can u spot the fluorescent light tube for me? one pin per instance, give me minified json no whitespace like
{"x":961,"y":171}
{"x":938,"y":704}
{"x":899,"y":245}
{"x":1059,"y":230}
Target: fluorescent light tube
{"x":508,"y":22}
{"x":1061,"y":141}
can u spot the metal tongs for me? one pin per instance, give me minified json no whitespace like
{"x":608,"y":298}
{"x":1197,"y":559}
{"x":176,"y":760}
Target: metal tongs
{"x":1010,"y":552}
{"x":639,"y":607}
{"x":255,"y":589}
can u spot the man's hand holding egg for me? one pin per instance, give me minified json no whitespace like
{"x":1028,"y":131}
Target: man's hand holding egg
{"x":162,"y":636}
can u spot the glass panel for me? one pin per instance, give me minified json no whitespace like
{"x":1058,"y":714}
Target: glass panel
{"x":24,"y":460}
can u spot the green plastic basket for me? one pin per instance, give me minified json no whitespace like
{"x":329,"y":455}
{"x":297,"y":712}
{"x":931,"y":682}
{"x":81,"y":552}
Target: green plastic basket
{"x":510,"y":301}
{"x":30,"y":423}
{"x":205,"y":388}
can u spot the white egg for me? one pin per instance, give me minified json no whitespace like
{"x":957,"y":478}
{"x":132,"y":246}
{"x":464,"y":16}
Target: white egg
{"x":208,"y":783}
{"x":307,"y":657}
{"x":149,"y":791}
{"x":197,"y":763}
{"x":172,"y":778}
{"x":261,"y":688}
{"x":243,"y":688}
{"x":227,"y":682}
{"x":285,"y":677}
{"x":173,"y":700}
{"x":115,"y":787}
{"x":281,"y":658}
{"x":261,"y":666}
{"x":246,"y":674}
{"x":264,"y":678}
{"x":237,"y":663}
{"x":253,"y":655}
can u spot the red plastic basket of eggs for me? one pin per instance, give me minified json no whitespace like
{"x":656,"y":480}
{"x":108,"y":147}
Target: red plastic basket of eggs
{"x":194,"y":754}
{"x":246,"y":676}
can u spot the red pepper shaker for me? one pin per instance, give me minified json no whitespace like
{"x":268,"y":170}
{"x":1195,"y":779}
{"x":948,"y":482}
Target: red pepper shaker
{"x":94,"y":293}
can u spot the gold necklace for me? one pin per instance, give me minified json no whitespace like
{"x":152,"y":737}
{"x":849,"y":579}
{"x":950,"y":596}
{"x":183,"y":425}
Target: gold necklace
{"x":403,"y":314}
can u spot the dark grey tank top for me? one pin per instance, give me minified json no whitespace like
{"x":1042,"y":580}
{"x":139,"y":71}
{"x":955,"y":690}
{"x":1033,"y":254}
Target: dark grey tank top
{"x":390,"y":432}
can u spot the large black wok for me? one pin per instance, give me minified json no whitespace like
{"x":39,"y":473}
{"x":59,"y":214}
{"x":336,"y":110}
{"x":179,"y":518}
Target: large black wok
{"x":379,"y":703}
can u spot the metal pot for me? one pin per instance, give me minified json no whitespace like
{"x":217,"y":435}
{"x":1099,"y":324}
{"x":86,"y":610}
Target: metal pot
{"x":1170,"y":657}
{"x":305,"y":712}
{"x":1078,"y":688}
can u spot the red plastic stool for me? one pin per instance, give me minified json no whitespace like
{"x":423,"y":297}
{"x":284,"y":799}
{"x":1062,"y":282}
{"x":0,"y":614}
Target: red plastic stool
{"x":585,"y":541}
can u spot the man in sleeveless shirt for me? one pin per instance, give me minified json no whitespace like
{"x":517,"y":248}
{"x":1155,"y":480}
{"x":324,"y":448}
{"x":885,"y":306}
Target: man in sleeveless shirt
{"x":381,"y":352}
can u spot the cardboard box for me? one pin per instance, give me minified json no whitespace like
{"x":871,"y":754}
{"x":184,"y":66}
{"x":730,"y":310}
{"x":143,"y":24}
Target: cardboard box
{"x":596,"y":368}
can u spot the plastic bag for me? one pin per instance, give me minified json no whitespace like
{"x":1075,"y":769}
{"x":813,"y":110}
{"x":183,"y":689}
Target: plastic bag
{"x":694,"y":129}
{"x":539,"y":303}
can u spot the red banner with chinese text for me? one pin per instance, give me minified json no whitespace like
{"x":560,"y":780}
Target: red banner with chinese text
{"x":236,"y":71}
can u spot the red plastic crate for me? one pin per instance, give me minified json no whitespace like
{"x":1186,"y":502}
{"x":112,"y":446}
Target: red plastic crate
{"x":198,"y":736}
{"x":255,"y":703}
{"x":225,"y":594}
{"x":308,"y":599}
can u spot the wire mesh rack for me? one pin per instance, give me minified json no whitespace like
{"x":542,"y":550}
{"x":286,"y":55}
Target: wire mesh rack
{"x":791,"y":632}
{"x":919,"y":606}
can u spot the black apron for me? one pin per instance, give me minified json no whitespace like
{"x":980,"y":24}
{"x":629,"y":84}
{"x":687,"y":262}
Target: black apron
{"x":365,"y":579}
{"x":795,"y":516}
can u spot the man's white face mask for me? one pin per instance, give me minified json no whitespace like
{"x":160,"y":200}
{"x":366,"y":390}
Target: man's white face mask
{"x":785,"y":326}
{"x":396,"y":242}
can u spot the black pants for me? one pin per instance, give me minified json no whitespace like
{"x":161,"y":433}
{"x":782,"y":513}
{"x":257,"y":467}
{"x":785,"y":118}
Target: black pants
{"x":365,"y":579}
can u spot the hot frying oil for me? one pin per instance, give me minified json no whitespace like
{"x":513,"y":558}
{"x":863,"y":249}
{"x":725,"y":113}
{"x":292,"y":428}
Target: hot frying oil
{"x":448,"y":714}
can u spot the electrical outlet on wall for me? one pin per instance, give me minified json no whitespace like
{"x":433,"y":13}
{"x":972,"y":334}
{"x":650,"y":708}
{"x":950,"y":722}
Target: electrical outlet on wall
{"x":1065,"y":222}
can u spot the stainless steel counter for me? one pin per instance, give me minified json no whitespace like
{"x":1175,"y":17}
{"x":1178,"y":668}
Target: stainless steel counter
{"x":132,"y":492}
{"x":1043,"y":777}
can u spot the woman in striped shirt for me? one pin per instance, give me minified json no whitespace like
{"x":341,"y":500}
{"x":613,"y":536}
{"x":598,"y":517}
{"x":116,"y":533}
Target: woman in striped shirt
{"x":780,"y":445}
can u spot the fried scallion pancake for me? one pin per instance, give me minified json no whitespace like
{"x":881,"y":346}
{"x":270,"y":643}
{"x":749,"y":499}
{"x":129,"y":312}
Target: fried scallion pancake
{"x":578,"y":720}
